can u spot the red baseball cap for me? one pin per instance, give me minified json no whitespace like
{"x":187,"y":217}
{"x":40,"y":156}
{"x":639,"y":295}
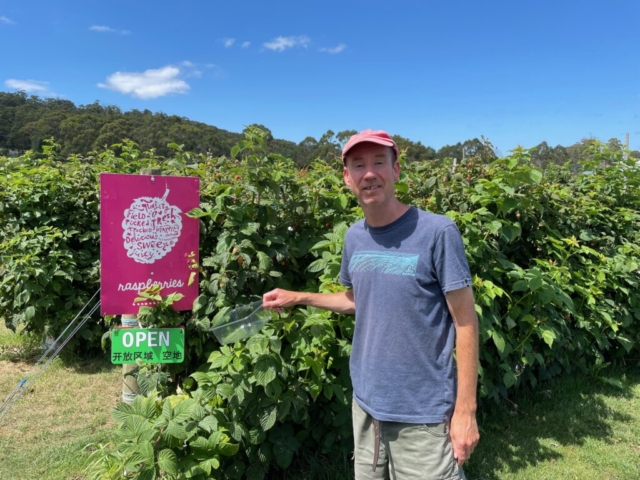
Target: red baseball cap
{"x":374,"y":136}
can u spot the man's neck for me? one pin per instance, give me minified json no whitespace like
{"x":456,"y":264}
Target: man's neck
{"x":379,"y":217}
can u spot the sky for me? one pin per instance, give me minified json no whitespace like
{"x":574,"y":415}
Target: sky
{"x":518,"y":72}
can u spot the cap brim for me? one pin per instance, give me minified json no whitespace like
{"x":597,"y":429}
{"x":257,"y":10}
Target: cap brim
{"x":379,"y":141}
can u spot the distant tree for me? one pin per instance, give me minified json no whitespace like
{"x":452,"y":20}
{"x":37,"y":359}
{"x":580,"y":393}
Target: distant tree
{"x":306,"y":151}
{"x":343,"y":136}
{"x":543,"y":155}
{"x":415,"y":151}
{"x":26,"y":121}
{"x":450,"y":151}
{"x":111,"y":133}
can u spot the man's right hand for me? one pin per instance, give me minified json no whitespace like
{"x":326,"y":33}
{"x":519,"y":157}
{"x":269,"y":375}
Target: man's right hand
{"x":278,"y":299}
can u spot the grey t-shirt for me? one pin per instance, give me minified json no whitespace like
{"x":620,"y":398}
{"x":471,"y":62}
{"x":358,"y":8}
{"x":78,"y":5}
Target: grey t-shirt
{"x":401,"y":364}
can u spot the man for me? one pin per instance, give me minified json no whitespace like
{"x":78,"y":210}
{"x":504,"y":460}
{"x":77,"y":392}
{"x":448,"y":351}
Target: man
{"x":409,"y":286}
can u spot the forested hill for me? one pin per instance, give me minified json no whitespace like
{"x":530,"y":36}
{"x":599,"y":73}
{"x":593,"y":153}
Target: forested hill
{"x":25,"y":121}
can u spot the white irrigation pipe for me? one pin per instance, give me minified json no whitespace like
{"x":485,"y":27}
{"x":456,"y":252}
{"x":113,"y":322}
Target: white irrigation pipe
{"x":28,"y":380}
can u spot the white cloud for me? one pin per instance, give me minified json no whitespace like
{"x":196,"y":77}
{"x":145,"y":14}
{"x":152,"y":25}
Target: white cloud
{"x":35,"y":87}
{"x":6,"y":20}
{"x":194,"y":70}
{"x":245,"y":44}
{"x":281,"y":44}
{"x":151,"y":83}
{"x":105,"y":29}
{"x":334,"y":50}
{"x":228,"y":42}
{"x":28,"y":86}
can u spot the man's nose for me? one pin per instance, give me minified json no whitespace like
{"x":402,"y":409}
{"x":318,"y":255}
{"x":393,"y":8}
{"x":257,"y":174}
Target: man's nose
{"x":369,"y":173}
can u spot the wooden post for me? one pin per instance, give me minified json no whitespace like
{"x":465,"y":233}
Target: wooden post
{"x":130,"y":386}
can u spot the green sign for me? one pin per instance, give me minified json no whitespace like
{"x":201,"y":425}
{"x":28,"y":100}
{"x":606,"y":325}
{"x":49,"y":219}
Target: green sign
{"x":151,"y":345}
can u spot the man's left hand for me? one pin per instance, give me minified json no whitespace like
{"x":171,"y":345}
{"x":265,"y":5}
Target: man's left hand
{"x":464,"y":436}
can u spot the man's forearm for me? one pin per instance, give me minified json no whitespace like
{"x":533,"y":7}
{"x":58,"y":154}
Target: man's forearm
{"x":467,"y":363}
{"x":340,"y":302}
{"x":461,"y":306}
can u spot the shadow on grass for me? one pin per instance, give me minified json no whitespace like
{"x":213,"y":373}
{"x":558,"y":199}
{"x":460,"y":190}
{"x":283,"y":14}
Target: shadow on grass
{"x":566,"y":412}
{"x":316,"y":467}
{"x":30,"y":352}
{"x":92,"y":363}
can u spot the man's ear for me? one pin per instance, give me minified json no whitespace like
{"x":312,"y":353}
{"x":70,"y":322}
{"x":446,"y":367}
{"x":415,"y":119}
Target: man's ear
{"x":345,"y":175}
{"x":396,"y":170}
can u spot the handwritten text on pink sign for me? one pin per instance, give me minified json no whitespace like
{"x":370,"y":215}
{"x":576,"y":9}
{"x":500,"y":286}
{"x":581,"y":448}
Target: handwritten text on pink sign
{"x":147,"y":239}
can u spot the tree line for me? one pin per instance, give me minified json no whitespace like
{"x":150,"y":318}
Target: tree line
{"x":26,"y":121}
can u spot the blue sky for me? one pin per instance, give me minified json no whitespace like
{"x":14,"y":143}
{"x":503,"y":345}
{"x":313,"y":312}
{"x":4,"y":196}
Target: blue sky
{"x":518,"y":72}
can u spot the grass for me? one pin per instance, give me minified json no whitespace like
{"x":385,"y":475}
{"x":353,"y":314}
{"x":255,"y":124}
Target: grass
{"x":575,"y":428}
{"x":571,"y":428}
{"x":65,"y":409}
{"x":568,"y":429}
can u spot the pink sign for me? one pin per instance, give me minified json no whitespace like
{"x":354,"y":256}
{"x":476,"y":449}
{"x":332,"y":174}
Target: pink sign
{"x":146,"y":239}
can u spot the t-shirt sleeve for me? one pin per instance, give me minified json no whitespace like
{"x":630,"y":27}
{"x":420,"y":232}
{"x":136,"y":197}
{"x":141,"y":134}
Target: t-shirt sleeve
{"x":450,"y":261}
{"x":345,"y":276}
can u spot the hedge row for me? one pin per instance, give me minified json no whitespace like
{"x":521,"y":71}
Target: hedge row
{"x":554,"y":255}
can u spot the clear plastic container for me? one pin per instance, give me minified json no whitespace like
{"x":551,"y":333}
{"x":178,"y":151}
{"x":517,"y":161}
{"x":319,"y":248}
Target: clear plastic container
{"x":241,"y":322}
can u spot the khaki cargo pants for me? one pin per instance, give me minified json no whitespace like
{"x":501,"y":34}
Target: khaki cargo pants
{"x":402,"y":451}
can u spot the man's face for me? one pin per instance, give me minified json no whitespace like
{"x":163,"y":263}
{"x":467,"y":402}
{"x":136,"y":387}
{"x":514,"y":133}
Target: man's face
{"x":371,"y":173}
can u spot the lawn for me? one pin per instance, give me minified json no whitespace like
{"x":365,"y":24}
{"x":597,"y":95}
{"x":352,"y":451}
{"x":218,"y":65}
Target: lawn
{"x":571,"y":428}
{"x":67,"y":407}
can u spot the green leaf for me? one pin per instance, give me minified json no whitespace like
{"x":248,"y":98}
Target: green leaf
{"x":225,"y":390}
{"x":255,"y":472}
{"x":626,"y":342}
{"x":535,"y":283}
{"x":265,"y":370}
{"x":520,"y":286}
{"x":218,"y":360}
{"x":315,"y":364}
{"x":268,"y":418}
{"x":535,"y":175}
{"x":264,"y":261}
{"x":612,"y":381}
{"x":202,"y":378}
{"x":339,"y":393}
{"x":494,"y":227}
{"x":122,"y":412}
{"x":228,"y":449}
{"x":147,"y":474}
{"x":509,"y":379}
{"x":499,"y":341}
{"x":168,"y":461}
{"x":236,"y":470}
{"x":548,"y":335}
{"x":209,"y":423}
{"x":176,"y":430}
{"x":284,"y":451}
